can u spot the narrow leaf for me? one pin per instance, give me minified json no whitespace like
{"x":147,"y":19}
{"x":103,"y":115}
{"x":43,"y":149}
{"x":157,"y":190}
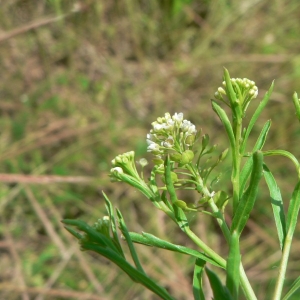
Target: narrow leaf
{"x":277,"y":205}
{"x":197,"y":279}
{"x":153,"y":241}
{"x":136,"y":275}
{"x":125,"y":232}
{"x":246,"y":171}
{"x":220,"y":292}
{"x":256,"y":114}
{"x":248,"y":199}
{"x":286,"y":154}
{"x":113,"y":224}
{"x":224,"y":119}
{"x":233,"y":266}
{"x":294,"y":287}
{"x":293,"y":211}
{"x":180,"y":216}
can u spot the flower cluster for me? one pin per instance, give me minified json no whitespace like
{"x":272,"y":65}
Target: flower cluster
{"x":244,"y":89}
{"x":171,"y":133}
{"x":124,"y":165}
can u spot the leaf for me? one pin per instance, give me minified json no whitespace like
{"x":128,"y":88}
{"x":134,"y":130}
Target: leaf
{"x":125,"y":232}
{"x":113,"y":225}
{"x":224,"y":119}
{"x":246,"y":171}
{"x":293,"y":211}
{"x":233,"y":266}
{"x":220,"y":292}
{"x":294,"y":287}
{"x":277,"y":205}
{"x":286,"y":154}
{"x":256,"y":114}
{"x":151,"y":240}
{"x":134,"y":274}
{"x":197,"y":279}
{"x":248,"y":199}
{"x":180,"y":216}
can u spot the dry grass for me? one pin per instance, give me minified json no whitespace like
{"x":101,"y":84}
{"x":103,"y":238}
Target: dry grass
{"x":80,"y":82}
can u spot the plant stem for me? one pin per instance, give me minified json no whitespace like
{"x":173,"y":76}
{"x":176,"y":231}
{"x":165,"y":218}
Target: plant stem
{"x":207,"y":250}
{"x":282,"y":268}
{"x":246,"y":286}
{"x":236,"y":163}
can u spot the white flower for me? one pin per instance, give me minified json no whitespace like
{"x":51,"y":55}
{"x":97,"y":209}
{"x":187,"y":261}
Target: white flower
{"x":178,"y":117}
{"x":117,"y":170}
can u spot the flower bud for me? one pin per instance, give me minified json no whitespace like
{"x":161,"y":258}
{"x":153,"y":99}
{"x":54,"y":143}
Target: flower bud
{"x":186,"y":157}
{"x":175,"y":157}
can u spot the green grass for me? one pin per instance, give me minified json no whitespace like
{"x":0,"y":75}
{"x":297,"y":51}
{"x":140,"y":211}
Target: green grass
{"x":78,"y":91}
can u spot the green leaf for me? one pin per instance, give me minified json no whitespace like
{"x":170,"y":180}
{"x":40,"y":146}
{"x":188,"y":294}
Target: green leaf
{"x":246,"y":171}
{"x":297,"y":105}
{"x":151,"y":240}
{"x":233,"y":266}
{"x":224,"y":119}
{"x":197,"y":279}
{"x":93,"y":235}
{"x":220,"y":292}
{"x":110,"y":211}
{"x":134,"y":274}
{"x":180,"y":216}
{"x":293,"y":211}
{"x":234,"y":101}
{"x":248,"y":199}
{"x":255,"y":116}
{"x":286,"y":154}
{"x":277,"y":205}
{"x":125,"y":233}
{"x":294,"y":287}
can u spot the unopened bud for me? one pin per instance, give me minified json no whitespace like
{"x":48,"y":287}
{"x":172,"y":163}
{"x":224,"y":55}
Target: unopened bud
{"x":186,"y":157}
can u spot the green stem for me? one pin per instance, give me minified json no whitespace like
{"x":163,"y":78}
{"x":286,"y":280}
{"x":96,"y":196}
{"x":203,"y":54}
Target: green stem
{"x":246,"y":286}
{"x":207,"y":250}
{"x":236,"y":163}
{"x":282,"y":267}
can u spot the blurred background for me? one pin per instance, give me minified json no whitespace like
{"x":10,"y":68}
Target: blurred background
{"x":81,"y":82}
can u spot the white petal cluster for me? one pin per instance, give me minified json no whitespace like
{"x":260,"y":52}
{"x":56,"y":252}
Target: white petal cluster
{"x":170,"y":133}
